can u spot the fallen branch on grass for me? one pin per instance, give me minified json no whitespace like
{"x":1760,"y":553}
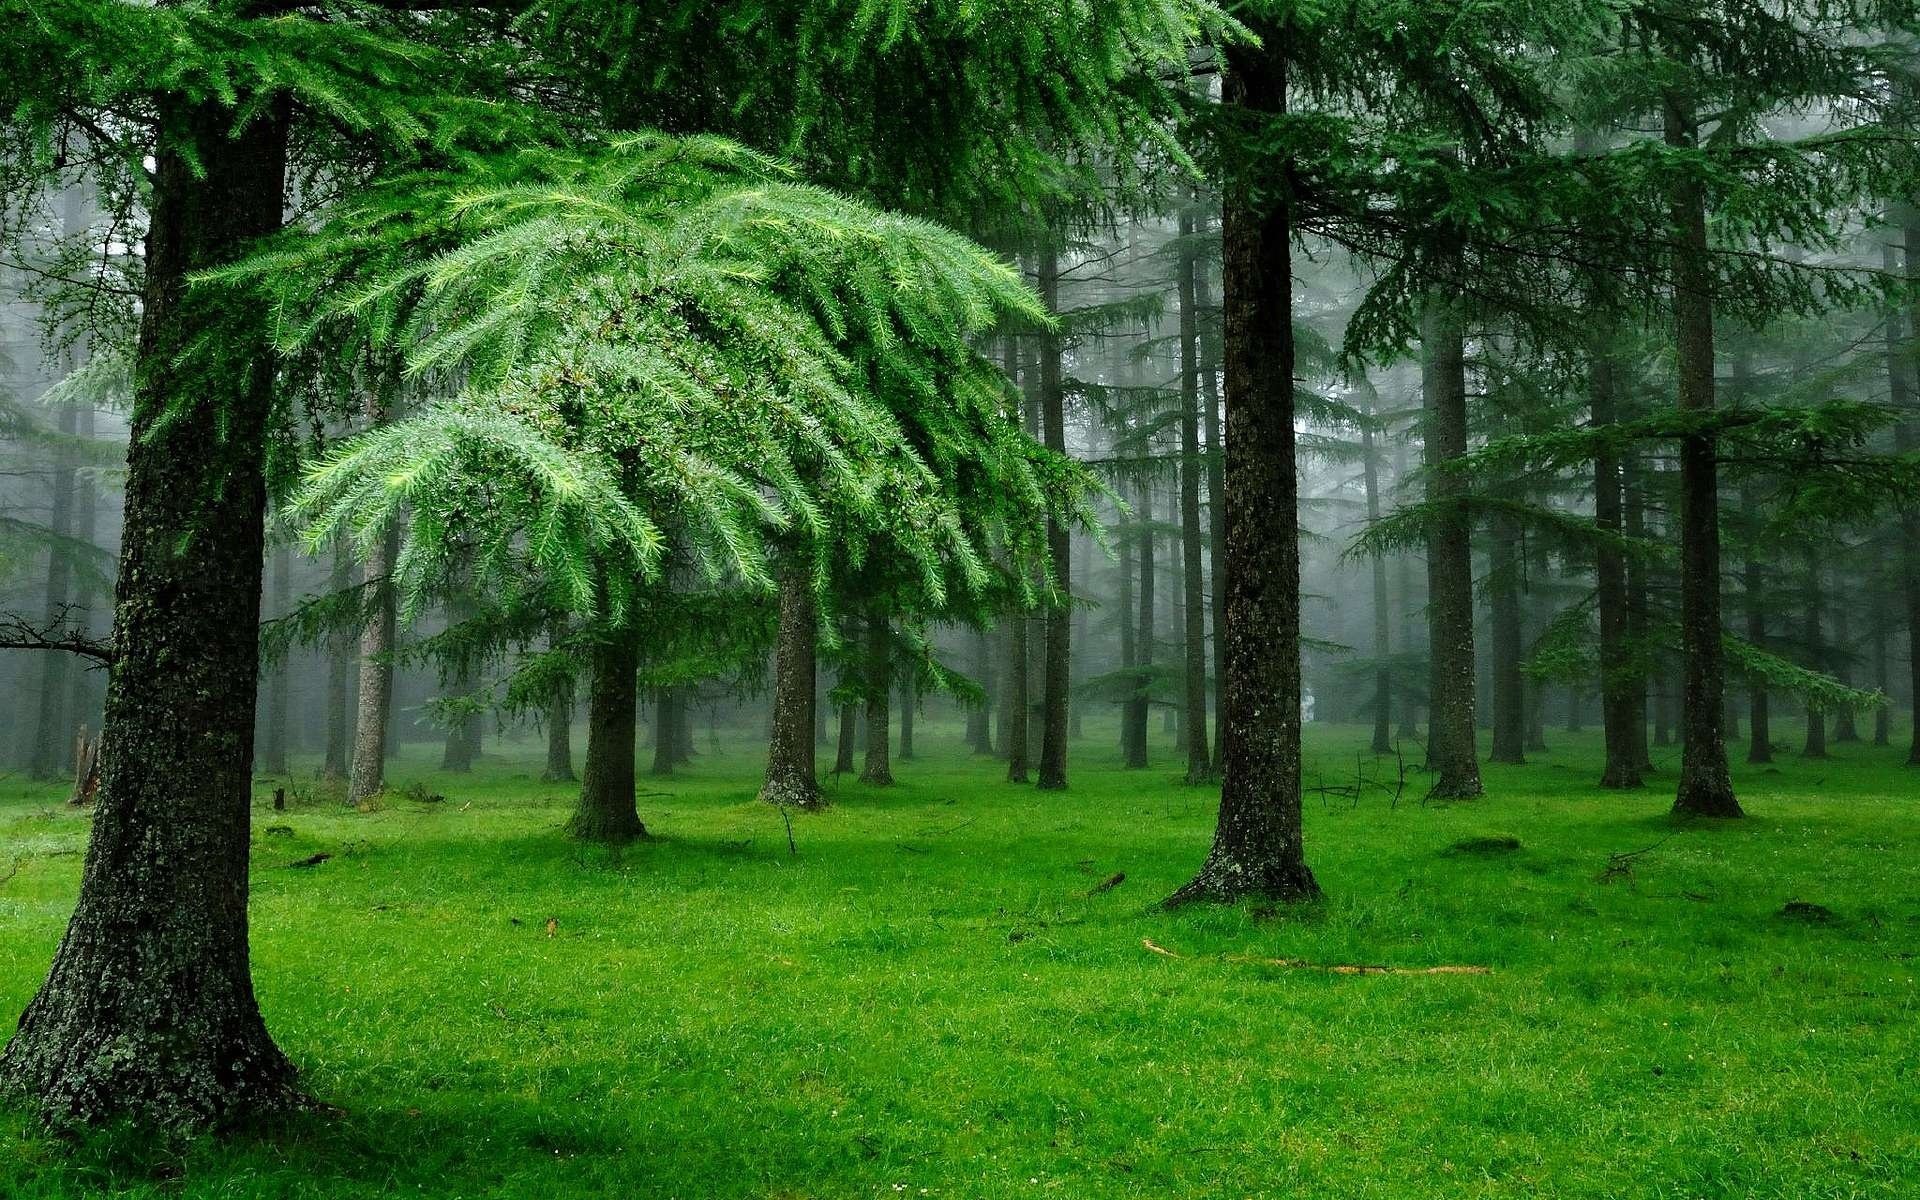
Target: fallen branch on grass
{"x":1301,"y":964}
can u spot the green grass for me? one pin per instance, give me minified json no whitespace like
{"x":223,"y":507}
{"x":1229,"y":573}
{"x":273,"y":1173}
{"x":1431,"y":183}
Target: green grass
{"x":925,"y":1000}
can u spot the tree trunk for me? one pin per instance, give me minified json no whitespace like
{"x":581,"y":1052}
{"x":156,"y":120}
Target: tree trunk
{"x":52,"y":732}
{"x":667,"y":738}
{"x":1451,"y":748}
{"x":1216,"y":495}
{"x":273,"y":756}
{"x":790,"y":776}
{"x":1257,"y":845}
{"x":1013,"y":727}
{"x":373,"y":716}
{"x":1706,"y":787}
{"x":1812,"y":634}
{"x":1056,"y":681}
{"x":1633,"y":494}
{"x":909,"y":702}
{"x":1906,"y":438}
{"x":1192,"y":583}
{"x":1382,"y":616}
{"x":843,"y":748}
{"x":339,"y":676}
{"x":1140,"y":707}
{"x":878,"y":769}
{"x":1509,"y":686}
{"x":607,"y":811}
{"x":148,"y":1011}
{"x":559,"y":717}
{"x":1622,"y":718}
{"x":1409,"y":624}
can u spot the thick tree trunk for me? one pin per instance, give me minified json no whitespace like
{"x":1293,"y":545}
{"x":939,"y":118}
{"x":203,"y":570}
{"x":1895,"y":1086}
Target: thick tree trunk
{"x":1706,"y":787}
{"x":790,"y":751}
{"x":148,"y":1011}
{"x":1257,"y":844}
{"x":607,"y":811}
{"x":1382,"y":617}
{"x":1192,"y":582}
{"x":339,"y":677}
{"x":1056,"y":681}
{"x":1452,"y":752}
{"x":1509,"y":686}
{"x":878,"y":769}
{"x":1621,"y":688}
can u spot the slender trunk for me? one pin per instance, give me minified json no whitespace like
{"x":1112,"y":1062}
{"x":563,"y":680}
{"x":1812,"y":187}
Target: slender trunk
{"x":1706,"y":788}
{"x":1192,"y":583}
{"x":1014,"y":724}
{"x":1906,"y":439}
{"x":373,"y":716}
{"x":878,"y":769}
{"x":909,"y":702}
{"x":979,"y":736}
{"x":148,"y":1010}
{"x":339,"y":676}
{"x":607,"y":811}
{"x":1216,"y":494}
{"x":790,"y":750}
{"x":1129,"y":638}
{"x":1056,"y":681}
{"x":1845,"y":727}
{"x":1812,"y":634}
{"x":1382,"y":617}
{"x":843,"y":748}
{"x":1144,"y":634}
{"x":52,"y":732}
{"x":84,"y":700}
{"x":1257,"y":843}
{"x":1410,"y":625}
{"x":667,"y":738}
{"x":559,"y":717}
{"x":1639,"y":616}
{"x":1451,"y":748}
{"x":1509,"y":687}
{"x":1622,"y":691}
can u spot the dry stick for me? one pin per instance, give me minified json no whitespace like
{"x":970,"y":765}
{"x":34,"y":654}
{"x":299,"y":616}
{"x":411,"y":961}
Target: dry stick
{"x":1301,"y":964}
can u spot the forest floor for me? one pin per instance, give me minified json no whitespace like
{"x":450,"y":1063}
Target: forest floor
{"x":934,"y":997}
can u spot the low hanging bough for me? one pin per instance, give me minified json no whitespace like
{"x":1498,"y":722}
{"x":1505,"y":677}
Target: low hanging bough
{"x":1301,"y":964}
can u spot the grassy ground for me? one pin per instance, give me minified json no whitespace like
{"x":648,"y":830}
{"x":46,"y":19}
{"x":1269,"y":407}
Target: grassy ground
{"x":925,"y":1000}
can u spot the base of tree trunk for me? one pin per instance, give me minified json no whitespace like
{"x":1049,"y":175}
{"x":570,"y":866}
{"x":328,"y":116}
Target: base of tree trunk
{"x":877,"y":775}
{"x":1457,"y":785}
{"x":613,"y":828}
{"x":1622,"y":776}
{"x":559,"y":775}
{"x":173,"y":1072}
{"x":1706,"y":796}
{"x":1225,"y":879}
{"x":794,"y":793}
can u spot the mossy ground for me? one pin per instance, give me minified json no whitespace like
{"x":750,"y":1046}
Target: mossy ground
{"x":926,"y":1000}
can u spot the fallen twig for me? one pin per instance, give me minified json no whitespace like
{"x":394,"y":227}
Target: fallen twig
{"x":1301,"y":964}
{"x":1108,"y":884}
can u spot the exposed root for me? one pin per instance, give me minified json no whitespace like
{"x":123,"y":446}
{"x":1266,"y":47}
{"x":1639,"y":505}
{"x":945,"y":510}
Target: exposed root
{"x":1301,"y":964}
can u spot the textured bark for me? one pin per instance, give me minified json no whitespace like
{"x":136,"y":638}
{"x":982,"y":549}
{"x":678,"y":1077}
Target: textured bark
{"x":1382,"y":617}
{"x":1509,"y":687}
{"x":333,"y":763}
{"x":790,"y":776}
{"x":148,"y":1010}
{"x":376,"y":670}
{"x":607,"y":811}
{"x":1193,"y":609}
{"x":52,"y":729}
{"x":1452,"y":752}
{"x":878,"y":768}
{"x":1623,"y":722}
{"x":1706,"y":787}
{"x":1056,"y":681}
{"x":1257,"y":845}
